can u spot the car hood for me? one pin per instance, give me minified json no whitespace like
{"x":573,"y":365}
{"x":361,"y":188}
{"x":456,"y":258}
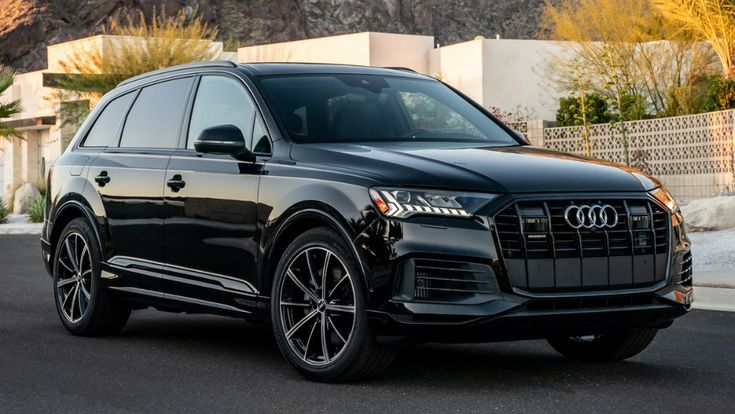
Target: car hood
{"x":517,"y":169}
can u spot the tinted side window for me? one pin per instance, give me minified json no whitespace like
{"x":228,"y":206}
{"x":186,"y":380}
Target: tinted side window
{"x":107,"y":124}
{"x":221,"y":101}
{"x":260,"y":142}
{"x":155,"y":118}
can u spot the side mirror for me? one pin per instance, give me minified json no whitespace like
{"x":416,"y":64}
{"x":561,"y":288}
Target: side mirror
{"x":223,"y":139}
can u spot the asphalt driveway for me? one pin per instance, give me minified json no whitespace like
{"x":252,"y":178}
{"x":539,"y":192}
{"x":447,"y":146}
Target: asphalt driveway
{"x":181,"y":363}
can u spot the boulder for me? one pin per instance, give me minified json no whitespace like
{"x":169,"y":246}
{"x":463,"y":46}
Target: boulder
{"x":710,"y":214}
{"x":24,"y":196}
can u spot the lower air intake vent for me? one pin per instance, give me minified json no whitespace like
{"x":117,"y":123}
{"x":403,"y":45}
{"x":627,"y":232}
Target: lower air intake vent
{"x":445,"y":281}
{"x":590,"y":303}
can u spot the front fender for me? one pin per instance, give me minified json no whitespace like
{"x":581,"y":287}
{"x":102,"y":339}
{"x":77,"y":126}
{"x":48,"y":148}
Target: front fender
{"x":343,"y":207}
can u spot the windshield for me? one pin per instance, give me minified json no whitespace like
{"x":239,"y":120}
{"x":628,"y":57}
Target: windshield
{"x":357,"y":108}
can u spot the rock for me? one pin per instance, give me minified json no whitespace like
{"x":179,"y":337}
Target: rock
{"x":710,"y":214}
{"x":24,"y":196}
{"x":28,"y":26}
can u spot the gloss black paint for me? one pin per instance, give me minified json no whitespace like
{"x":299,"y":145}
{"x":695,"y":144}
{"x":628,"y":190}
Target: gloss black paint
{"x":213,"y":245}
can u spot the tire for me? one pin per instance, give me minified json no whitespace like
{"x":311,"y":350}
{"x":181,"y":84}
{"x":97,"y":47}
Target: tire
{"x":606,"y":347}
{"x":90,"y":311}
{"x":324,"y":315}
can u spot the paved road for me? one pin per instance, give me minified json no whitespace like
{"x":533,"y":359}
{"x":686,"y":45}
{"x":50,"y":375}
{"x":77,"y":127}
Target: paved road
{"x":177,"y":363}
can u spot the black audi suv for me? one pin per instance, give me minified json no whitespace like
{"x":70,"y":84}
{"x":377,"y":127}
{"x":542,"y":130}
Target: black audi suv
{"x":356,"y":210}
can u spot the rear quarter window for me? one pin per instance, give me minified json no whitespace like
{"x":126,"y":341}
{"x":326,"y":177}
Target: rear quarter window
{"x":106,"y":126}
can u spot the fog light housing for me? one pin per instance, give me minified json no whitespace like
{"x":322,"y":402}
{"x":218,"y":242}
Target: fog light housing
{"x":445,"y":281}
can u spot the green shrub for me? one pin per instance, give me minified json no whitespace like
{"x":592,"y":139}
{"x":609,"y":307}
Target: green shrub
{"x":35,"y":211}
{"x":3,"y":212}
{"x":570,"y":112}
{"x":720,"y":94}
{"x":633,"y":108}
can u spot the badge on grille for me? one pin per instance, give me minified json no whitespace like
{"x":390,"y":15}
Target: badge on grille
{"x":595,"y":216}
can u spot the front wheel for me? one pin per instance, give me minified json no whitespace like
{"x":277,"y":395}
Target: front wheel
{"x":610,"y":346}
{"x":318,"y":311}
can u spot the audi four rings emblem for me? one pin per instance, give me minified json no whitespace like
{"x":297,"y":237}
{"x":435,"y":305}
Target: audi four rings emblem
{"x":591,"y":217}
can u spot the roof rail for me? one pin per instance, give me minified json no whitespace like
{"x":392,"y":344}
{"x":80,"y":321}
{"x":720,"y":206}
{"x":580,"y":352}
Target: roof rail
{"x":205,"y":64}
{"x":400,"y":68}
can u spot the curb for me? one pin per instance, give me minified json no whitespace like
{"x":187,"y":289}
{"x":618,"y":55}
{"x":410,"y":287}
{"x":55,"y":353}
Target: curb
{"x":714,"y":290}
{"x":20,"y":229}
{"x":714,"y":298}
{"x":717,"y":299}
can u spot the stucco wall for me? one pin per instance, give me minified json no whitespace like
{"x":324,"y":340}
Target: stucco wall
{"x":367,"y":48}
{"x":515,"y":76}
{"x":35,"y":99}
{"x":503,"y":73}
{"x":461,"y":66}
{"x":104,"y":44}
{"x":353,"y":49}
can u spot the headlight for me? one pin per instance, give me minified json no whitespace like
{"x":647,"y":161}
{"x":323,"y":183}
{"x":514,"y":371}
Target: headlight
{"x":403,"y":203}
{"x":664,"y":196}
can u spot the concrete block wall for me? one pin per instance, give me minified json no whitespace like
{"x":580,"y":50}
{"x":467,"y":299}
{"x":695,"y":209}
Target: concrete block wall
{"x":693,"y":155}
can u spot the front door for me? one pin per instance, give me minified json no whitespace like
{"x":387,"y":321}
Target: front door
{"x":211,"y":202}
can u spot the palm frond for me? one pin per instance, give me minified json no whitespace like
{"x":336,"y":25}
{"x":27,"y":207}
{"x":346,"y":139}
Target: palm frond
{"x":6,"y":78}
{"x":9,"y":109}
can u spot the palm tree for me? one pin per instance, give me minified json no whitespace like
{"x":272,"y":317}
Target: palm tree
{"x":7,"y":109}
{"x":710,"y":20}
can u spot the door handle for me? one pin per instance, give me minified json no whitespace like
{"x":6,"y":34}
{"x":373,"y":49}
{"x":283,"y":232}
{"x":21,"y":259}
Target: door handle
{"x":176,"y":183}
{"x":102,"y":179}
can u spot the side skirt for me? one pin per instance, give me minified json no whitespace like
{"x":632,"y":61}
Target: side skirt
{"x":145,"y":283}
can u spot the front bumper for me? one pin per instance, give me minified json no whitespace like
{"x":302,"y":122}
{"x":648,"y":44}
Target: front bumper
{"x":501,"y":311}
{"x":512,"y":317}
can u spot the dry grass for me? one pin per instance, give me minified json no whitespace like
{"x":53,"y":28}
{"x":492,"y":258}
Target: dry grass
{"x":166,"y":40}
{"x":710,"y":20}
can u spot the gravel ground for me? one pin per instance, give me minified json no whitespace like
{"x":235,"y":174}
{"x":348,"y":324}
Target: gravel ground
{"x":713,"y":250}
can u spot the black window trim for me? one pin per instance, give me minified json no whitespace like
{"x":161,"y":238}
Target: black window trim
{"x":97,"y":118}
{"x":117,"y":148}
{"x":88,"y":124}
{"x":248,"y":90}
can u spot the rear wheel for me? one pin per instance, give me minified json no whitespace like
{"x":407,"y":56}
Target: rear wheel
{"x":84,"y":307}
{"x":318,"y":311}
{"x":610,"y":346}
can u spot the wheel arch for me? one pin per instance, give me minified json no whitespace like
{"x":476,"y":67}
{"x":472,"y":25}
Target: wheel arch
{"x":303,"y":217}
{"x":70,"y":210}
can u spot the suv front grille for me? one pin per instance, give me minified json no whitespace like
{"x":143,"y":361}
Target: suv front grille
{"x":543,"y":253}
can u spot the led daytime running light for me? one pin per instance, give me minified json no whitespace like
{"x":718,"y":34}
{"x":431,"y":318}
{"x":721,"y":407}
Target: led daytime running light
{"x":387,"y":204}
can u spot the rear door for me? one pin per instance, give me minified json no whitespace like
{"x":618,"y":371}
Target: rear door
{"x":211,"y":222}
{"x":129,"y":177}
